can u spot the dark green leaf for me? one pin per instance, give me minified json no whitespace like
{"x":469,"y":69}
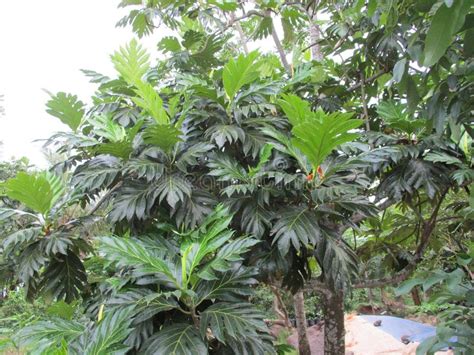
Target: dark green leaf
{"x":445,"y":23}
{"x":177,"y":339}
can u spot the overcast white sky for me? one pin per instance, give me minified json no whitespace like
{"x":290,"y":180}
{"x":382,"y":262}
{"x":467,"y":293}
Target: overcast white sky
{"x":43,"y":45}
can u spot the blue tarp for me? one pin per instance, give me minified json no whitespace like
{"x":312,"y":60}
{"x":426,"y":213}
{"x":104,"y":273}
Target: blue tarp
{"x":398,"y":327}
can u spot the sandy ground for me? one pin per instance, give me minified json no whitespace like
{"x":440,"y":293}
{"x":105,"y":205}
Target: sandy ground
{"x":362,"y":338}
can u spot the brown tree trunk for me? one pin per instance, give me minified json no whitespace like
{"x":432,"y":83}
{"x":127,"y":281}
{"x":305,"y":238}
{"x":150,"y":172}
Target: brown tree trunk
{"x":303,"y":343}
{"x":333,"y":304}
{"x":383,"y":299}
{"x":279,"y":306}
{"x":415,"y":295}
{"x":370,"y":294}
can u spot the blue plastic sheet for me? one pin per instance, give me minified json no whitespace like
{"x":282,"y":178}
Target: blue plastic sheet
{"x":398,"y":327}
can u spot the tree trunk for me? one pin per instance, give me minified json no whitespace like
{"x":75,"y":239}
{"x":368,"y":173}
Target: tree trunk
{"x":370,"y":294}
{"x":415,"y":295}
{"x":303,"y":344}
{"x":383,"y":299}
{"x":240,"y":31}
{"x":334,"y":333}
{"x":315,"y":36}
{"x":314,"y":33}
{"x":279,"y":47}
{"x":279,"y":306}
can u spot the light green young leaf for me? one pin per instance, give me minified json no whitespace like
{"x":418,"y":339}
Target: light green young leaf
{"x":163,"y":136}
{"x":37,"y":191}
{"x":169,"y":44}
{"x":67,"y":108}
{"x":317,"y":134}
{"x":230,"y":252}
{"x":141,"y":21}
{"x":396,"y":116}
{"x":107,"y":128}
{"x":132,"y":62}
{"x":265,"y":154}
{"x":150,"y":101}
{"x":239,"y":72}
{"x":208,"y":238}
{"x":62,"y":309}
{"x":318,"y":137}
{"x":296,"y":109}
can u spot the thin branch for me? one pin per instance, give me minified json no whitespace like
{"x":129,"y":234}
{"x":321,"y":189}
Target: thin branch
{"x":359,"y":217}
{"x":234,"y":19}
{"x":279,"y":47}
{"x":317,"y":286}
{"x":338,"y":44}
{"x":364,"y":102}
{"x":105,"y":197}
{"x":240,"y":31}
{"x":428,"y":229}
{"x":367,"y":81}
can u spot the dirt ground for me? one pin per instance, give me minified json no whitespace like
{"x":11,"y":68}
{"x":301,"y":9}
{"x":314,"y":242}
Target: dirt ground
{"x":362,"y":338}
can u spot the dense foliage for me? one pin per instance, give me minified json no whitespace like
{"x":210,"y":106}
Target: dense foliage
{"x":218,"y":167}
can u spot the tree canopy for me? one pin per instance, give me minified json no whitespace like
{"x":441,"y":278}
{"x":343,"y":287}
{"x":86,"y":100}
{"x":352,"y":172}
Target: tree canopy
{"x":218,"y":167}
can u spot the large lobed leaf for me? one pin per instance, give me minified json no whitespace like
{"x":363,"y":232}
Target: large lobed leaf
{"x":296,"y":109}
{"x":97,"y":173}
{"x":44,"y":336}
{"x":317,"y":134}
{"x":239,"y":72}
{"x":162,"y":135}
{"x":177,"y":339}
{"x":108,"y":337}
{"x":67,"y":108}
{"x":132,"y":253}
{"x":295,"y":227}
{"x":144,"y":168}
{"x":146,"y":303}
{"x":338,"y":262}
{"x":237,"y":321}
{"x":206,"y":240}
{"x":105,"y":127}
{"x":141,"y":21}
{"x":38,"y":191}
{"x":233,"y":286}
{"x":65,"y":277}
{"x":150,"y":101}
{"x":318,"y":138}
{"x":132,"y":62}
{"x":444,"y":25}
{"x":395,"y":116}
{"x":134,"y":201}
